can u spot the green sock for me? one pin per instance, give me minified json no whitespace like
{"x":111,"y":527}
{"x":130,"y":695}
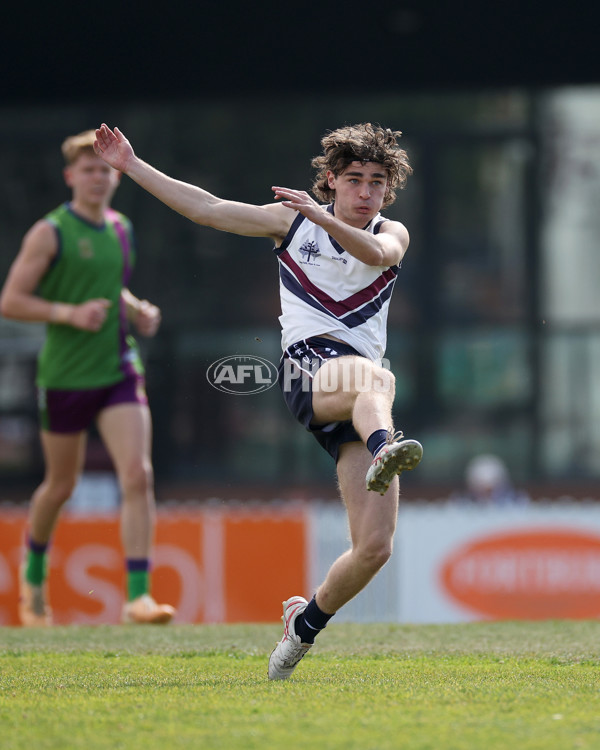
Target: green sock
{"x":138,"y":583}
{"x":35,"y":567}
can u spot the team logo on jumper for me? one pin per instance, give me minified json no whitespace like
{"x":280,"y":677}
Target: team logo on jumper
{"x":309,"y":251}
{"x":86,"y":249}
{"x":242,"y":375}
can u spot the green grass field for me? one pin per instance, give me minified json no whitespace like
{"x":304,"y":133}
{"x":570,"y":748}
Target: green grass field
{"x":476,"y":686}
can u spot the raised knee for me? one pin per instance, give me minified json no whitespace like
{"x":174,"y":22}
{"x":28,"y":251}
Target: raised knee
{"x":370,"y":378}
{"x":385,"y":381}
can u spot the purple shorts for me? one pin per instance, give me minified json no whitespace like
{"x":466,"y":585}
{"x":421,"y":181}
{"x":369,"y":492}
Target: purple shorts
{"x":74,"y":411}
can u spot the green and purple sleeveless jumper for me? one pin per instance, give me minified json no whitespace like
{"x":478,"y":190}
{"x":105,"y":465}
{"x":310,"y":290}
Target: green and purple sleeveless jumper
{"x":92,"y":262}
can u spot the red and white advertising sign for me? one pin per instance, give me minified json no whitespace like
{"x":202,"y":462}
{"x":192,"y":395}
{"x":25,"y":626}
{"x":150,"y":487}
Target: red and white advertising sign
{"x":213,"y":565}
{"x":533,"y":563}
{"x":235,"y":564}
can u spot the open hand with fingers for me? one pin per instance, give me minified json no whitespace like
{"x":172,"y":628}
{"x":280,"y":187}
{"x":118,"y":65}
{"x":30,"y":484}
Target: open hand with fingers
{"x":113,"y":147}
{"x":299,"y":200}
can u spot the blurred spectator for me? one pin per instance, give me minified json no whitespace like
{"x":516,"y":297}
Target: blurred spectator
{"x":487,"y":482}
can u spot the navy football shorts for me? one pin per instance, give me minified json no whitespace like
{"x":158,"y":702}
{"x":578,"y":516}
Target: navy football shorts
{"x":297,"y":369}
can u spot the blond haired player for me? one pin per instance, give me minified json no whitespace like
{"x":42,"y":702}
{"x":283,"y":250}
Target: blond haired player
{"x":72,"y":273}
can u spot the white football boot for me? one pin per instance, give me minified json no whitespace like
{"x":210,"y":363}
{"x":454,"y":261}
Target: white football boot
{"x":288,"y":652}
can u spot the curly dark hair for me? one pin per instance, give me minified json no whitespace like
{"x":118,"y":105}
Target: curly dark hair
{"x":364,"y":142}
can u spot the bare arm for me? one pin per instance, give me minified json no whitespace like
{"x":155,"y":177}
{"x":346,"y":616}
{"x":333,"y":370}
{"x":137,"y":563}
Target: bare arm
{"x":387,"y":248}
{"x":193,"y":202}
{"x":18,"y":299}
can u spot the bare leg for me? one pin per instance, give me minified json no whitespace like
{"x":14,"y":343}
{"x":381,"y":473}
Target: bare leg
{"x":126,"y":430}
{"x":63,"y":459}
{"x":346,"y":388}
{"x":372,"y":521}
{"x":127,"y":433}
{"x":64,"y":455}
{"x":364,"y":394}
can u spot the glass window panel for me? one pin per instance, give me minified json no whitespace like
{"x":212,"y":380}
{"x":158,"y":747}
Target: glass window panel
{"x":484,"y":368}
{"x":480,"y":231}
{"x":570,"y":404}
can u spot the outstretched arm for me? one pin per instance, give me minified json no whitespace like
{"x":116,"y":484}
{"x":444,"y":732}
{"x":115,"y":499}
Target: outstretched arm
{"x":193,"y":202}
